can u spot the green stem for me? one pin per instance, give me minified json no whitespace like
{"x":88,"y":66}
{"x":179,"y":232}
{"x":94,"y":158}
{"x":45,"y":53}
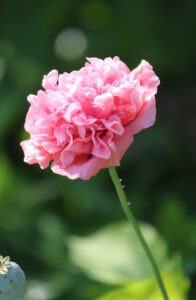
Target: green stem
{"x":128,"y":212}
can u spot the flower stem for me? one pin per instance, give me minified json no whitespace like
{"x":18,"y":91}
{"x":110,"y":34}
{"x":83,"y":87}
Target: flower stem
{"x":128,"y":212}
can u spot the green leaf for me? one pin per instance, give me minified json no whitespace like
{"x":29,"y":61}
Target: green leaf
{"x":148,"y":289}
{"x":114,"y":255}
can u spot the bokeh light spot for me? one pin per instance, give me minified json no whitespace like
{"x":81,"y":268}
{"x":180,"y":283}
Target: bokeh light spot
{"x":38,"y":292}
{"x":70,"y":44}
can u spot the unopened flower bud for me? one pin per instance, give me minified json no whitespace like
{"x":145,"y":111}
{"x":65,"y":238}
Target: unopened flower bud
{"x":12,"y":280}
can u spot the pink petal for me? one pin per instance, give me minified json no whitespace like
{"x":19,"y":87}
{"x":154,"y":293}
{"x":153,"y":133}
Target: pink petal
{"x":145,"y":118}
{"x":100,"y":148}
{"x":35,"y":155}
{"x":113,"y":123}
{"x":50,"y":80}
{"x":104,"y":104}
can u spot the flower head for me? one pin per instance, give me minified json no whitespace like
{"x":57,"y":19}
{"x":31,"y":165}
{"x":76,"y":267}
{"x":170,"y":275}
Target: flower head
{"x":85,"y":120}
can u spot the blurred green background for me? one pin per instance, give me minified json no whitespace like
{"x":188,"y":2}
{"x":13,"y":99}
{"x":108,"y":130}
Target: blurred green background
{"x":39,"y":211}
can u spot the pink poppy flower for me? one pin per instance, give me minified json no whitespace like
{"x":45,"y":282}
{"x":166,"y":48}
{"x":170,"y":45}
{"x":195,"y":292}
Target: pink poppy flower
{"x":85,"y":120}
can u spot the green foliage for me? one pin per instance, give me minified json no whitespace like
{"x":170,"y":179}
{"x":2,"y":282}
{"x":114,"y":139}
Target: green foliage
{"x":40,"y":212}
{"x":148,"y":290}
{"x":114,"y":256}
